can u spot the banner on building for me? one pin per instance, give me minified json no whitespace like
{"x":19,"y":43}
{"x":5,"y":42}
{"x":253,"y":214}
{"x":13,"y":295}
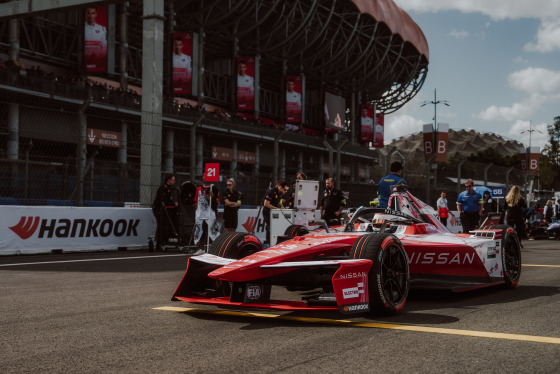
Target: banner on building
{"x":523,"y":158}
{"x":95,"y":39}
{"x":428,"y":131}
{"x":367,"y":114}
{"x":442,"y":141}
{"x":245,"y":83}
{"x":182,"y":64}
{"x":294,"y":90}
{"x":335,"y":111}
{"x":379,"y":132}
{"x":534,"y":153}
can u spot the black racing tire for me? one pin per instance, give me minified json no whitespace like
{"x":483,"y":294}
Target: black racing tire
{"x":511,"y":259}
{"x":511,"y":255}
{"x":389,"y":276}
{"x":296,"y":230}
{"x":235,"y":245}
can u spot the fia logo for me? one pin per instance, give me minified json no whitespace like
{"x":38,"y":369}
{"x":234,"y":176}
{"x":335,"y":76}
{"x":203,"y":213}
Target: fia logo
{"x":254,"y":292}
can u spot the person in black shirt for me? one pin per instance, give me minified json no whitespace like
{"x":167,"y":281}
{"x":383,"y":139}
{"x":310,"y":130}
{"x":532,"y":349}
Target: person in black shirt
{"x":488,"y":206}
{"x":232,"y":202}
{"x":332,"y":203}
{"x":273,"y":200}
{"x":165,"y":208}
{"x":514,"y":208}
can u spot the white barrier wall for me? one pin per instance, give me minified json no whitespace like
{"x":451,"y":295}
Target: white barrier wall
{"x":40,"y":229}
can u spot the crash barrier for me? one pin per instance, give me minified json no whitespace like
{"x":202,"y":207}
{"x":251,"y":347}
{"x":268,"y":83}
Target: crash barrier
{"x":42,"y":229}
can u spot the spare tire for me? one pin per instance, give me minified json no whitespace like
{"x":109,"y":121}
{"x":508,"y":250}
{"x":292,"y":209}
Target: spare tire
{"x":296,"y":230}
{"x":235,"y":245}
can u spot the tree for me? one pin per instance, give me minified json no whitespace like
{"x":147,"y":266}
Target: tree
{"x":549,"y":165}
{"x":491,"y":156}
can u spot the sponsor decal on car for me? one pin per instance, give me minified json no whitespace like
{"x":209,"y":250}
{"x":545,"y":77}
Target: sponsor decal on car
{"x":441,"y":258}
{"x":353,"y":292}
{"x":353,"y":275}
{"x":380,"y":288}
{"x":254,"y":292}
{"x":354,"y":308}
{"x":491,"y":252}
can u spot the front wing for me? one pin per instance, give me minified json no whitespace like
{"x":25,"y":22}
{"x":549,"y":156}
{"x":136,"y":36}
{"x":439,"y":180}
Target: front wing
{"x":349,"y":285}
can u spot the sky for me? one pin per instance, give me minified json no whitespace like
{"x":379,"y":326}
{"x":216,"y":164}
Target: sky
{"x":496,"y":62}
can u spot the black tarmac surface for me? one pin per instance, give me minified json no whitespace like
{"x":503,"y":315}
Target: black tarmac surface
{"x":94,"y":312}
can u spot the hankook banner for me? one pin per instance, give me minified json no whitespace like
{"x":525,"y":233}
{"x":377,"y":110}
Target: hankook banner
{"x":40,"y":229}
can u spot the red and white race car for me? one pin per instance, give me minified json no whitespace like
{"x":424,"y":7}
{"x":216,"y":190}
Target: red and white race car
{"x":368,"y":264}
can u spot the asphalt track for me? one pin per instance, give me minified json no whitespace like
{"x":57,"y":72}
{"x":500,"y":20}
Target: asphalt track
{"x":111,"y":312}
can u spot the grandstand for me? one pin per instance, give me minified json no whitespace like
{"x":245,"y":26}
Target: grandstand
{"x":87,"y":119}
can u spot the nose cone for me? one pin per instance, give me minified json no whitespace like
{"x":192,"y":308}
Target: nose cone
{"x":249,"y":268}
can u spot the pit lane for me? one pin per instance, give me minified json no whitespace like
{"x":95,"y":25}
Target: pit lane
{"x":92,"y":312}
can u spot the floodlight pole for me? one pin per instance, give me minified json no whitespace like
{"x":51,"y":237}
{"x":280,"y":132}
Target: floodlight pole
{"x":530,"y":131}
{"x":435,"y":102}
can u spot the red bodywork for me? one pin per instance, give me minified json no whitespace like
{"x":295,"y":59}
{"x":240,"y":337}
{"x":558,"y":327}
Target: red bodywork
{"x":437,"y":258}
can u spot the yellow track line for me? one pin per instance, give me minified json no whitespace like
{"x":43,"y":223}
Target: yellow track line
{"x":543,"y":266}
{"x":435,"y":330}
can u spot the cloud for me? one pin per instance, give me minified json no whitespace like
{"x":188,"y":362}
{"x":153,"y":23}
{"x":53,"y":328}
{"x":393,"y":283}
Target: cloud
{"x":504,"y":113}
{"x":458,"y":34}
{"x":397,"y":125}
{"x":495,"y":9}
{"x":542,"y":86}
{"x":535,"y":80}
{"x":520,"y":60}
{"x":548,"y":38}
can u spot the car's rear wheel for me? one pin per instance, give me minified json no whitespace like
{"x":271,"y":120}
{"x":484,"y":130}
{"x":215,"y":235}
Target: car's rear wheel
{"x":511,"y":260}
{"x":296,"y":230}
{"x":235,"y":245}
{"x":388,"y":280}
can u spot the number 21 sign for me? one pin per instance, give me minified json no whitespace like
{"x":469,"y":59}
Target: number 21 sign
{"x":212,"y":172}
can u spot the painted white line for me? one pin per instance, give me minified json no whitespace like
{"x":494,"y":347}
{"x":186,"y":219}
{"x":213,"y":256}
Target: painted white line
{"x":88,"y":260}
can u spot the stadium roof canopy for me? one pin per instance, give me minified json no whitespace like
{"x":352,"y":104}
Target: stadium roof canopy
{"x":461,"y":144}
{"x":367,"y":46}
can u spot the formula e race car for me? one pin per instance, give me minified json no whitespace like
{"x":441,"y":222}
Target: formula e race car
{"x":367,"y":264}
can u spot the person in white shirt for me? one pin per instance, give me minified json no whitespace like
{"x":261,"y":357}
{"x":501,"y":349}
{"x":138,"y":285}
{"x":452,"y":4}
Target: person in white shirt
{"x":245,"y":87}
{"x":293,"y":102}
{"x":95,"y":38}
{"x":443,"y":208}
{"x":182,"y":67}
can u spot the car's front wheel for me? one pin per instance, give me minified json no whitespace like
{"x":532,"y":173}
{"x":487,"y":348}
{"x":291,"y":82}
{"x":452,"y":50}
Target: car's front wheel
{"x":388,"y":280}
